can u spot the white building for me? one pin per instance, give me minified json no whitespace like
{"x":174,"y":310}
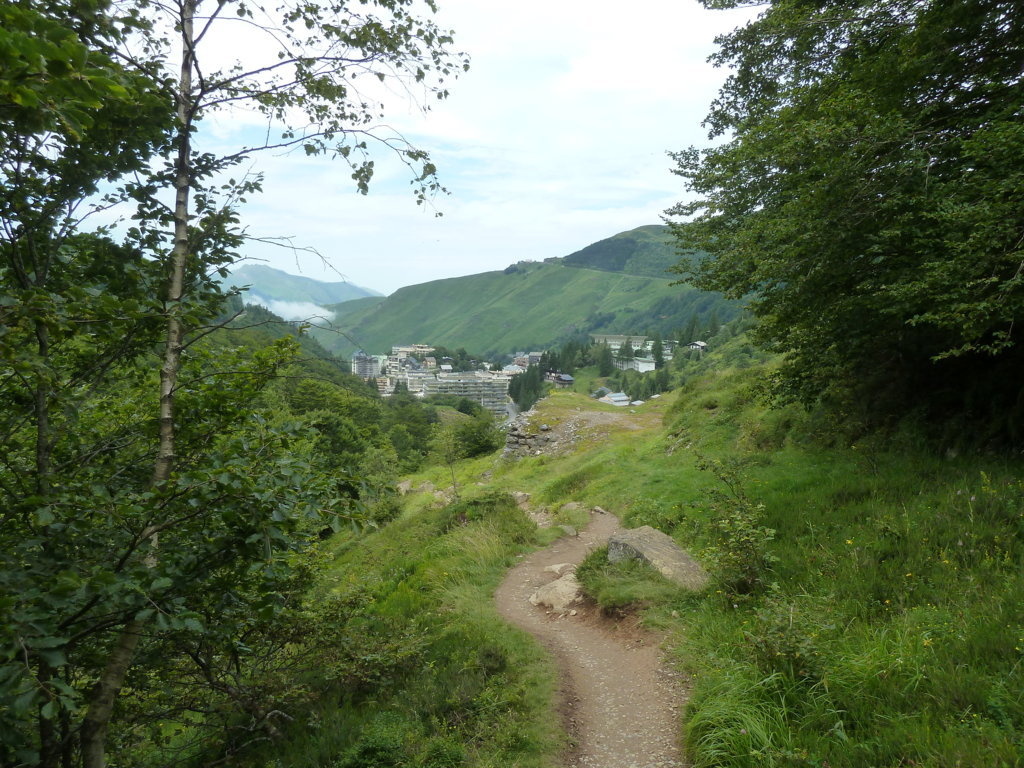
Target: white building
{"x":641,"y":364}
{"x":481,"y":387}
{"x":365,"y":366}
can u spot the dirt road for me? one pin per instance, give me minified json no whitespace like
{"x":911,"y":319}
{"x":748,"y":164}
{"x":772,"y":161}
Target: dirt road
{"x":620,"y":704}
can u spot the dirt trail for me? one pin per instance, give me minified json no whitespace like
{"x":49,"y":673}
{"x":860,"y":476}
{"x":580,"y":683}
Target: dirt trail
{"x":620,"y":704}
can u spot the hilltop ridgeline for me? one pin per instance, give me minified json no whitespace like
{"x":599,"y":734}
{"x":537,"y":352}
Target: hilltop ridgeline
{"x":619,"y":285}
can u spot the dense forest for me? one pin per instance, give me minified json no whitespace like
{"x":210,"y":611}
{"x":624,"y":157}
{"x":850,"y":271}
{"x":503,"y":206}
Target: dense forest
{"x":868,"y":201}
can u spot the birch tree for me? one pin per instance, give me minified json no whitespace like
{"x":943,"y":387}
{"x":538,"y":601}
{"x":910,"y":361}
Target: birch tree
{"x":101,"y":556}
{"x":308,"y":84}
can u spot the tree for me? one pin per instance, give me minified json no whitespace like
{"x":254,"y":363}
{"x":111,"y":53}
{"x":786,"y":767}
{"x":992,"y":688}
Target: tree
{"x":301,"y":78}
{"x":526,"y":388}
{"x":122,"y":526}
{"x":662,"y":381}
{"x":658,"y":352}
{"x":73,"y":315}
{"x":478,"y":435}
{"x":870,"y":199}
{"x":605,"y":360}
{"x":446,"y":446}
{"x":689,"y":334}
{"x":714,"y":326}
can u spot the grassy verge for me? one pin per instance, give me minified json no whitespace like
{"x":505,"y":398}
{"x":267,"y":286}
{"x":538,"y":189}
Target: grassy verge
{"x":869,"y":602}
{"x":888,"y":627}
{"x":424,"y":673}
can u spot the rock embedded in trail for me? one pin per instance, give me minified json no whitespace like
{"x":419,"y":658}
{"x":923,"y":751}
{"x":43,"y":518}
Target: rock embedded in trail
{"x":660,"y":551}
{"x":560,"y":569}
{"x":560,"y":595}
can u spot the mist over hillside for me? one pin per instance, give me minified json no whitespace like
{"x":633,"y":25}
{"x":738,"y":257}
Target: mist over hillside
{"x":293,"y":297}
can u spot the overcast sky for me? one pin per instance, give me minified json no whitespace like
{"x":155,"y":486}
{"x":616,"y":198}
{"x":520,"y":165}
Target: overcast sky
{"x":555,"y":138}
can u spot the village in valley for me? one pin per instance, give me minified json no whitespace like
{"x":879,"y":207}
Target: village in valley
{"x":417,"y":369}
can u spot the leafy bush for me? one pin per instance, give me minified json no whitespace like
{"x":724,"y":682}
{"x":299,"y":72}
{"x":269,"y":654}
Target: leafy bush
{"x":382,"y":745}
{"x":478,"y":436}
{"x":738,"y":553}
{"x":444,"y":752}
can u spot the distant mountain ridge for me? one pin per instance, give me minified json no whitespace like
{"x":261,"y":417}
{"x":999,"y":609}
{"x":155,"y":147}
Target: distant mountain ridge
{"x":617,"y":285}
{"x":274,"y":285}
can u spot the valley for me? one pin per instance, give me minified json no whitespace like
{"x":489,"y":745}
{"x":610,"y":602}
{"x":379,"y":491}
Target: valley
{"x":617,"y":285}
{"x":800,"y":537}
{"x":742,"y":489}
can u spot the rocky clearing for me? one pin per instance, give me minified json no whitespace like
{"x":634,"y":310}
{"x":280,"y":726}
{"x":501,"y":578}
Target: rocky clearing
{"x":532,"y":434}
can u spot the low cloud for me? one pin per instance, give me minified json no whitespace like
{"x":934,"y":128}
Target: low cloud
{"x":291,"y":310}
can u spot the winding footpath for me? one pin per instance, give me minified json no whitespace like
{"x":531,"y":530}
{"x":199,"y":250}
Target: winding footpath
{"x":620,"y":703}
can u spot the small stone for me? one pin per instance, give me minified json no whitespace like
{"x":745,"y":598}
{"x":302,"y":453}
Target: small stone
{"x":560,"y":569}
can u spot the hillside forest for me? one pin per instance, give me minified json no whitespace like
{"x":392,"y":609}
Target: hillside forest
{"x":220,"y":548}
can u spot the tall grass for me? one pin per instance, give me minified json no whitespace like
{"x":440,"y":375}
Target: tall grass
{"x":888,"y":629}
{"x":423,"y":672}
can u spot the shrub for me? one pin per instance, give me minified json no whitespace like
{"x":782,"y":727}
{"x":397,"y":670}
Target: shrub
{"x":382,"y":745}
{"x":617,"y":587}
{"x":738,"y":552}
{"x":444,"y":752}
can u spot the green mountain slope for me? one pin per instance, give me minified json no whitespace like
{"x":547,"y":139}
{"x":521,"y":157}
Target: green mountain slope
{"x":647,"y":251}
{"x":275,"y":285}
{"x":530,"y":305}
{"x":345,"y":308}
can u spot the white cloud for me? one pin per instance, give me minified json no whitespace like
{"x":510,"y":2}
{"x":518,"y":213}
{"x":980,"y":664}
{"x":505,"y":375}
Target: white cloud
{"x":290,"y":310}
{"x":555,"y":138}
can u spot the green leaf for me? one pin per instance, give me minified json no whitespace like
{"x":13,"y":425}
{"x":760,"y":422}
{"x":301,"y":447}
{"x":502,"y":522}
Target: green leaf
{"x":43,"y":516}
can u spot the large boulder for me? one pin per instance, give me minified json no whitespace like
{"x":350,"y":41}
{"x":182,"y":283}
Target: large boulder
{"x":559,"y":595}
{"x":654,"y":547}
